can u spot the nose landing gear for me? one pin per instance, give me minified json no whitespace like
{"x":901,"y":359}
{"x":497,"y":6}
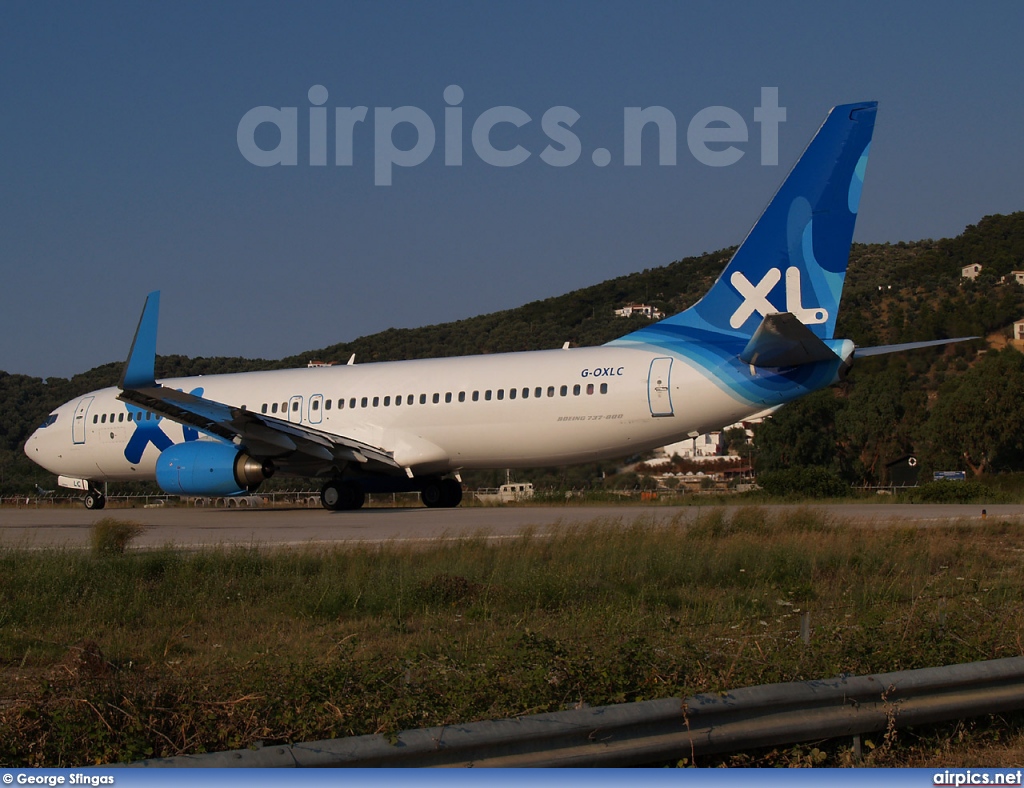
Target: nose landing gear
{"x":94,"y":499}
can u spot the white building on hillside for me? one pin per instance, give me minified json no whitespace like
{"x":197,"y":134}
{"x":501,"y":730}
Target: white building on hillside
{"x":648,"y":311}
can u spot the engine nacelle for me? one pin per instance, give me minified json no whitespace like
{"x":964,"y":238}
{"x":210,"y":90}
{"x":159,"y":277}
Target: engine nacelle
{"x":209,"y":468}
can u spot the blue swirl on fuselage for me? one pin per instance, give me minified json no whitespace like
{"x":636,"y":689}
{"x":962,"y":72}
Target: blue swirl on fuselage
{"x":149,"y":431}
{"x":717,"y":359}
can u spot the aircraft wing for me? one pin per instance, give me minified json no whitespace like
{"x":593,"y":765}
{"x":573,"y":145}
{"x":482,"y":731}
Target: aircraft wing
{"x":262,"y":436}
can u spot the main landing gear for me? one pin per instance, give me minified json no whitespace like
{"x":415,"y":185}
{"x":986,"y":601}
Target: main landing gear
{"x":441,"y":494}
{"x":345,"y":494}
{"x":340,"y":496}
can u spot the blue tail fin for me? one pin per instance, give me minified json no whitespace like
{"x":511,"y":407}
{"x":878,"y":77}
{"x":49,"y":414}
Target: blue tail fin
{"x":794,"y":259}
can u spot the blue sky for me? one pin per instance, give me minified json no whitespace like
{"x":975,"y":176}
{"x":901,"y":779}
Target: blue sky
{"x":121,"y":171}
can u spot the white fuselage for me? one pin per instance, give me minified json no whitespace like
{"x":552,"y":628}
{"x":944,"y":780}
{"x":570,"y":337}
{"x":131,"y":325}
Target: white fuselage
{"x":435,"y":415}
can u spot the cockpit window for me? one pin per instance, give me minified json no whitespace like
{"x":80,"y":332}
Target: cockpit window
{"x":49,"y":420}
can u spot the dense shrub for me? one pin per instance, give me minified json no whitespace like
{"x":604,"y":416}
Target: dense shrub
{"x":809,"y":482}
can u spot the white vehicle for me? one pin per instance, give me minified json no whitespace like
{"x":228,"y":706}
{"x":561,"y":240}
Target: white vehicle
{"x":510,"y":492}
{"x":762,"y":336}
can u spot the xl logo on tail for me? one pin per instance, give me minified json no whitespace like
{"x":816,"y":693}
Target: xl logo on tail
{"x":755,"y":298}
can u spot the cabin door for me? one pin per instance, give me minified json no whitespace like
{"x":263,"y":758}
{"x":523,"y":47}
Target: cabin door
{"x":78,"y":425}
{"x":659,"y":392}
{"x":295,"y":410}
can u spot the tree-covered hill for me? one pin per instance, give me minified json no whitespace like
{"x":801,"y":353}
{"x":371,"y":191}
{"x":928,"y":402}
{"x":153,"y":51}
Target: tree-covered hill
{"x":894,"y":293}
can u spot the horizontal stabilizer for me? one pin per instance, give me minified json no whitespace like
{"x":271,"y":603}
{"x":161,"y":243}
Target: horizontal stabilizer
{"x":881,"y":350}
{"x":783,"y":341}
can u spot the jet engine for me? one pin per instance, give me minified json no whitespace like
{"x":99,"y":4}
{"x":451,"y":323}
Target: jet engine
{"x":209,"y":468}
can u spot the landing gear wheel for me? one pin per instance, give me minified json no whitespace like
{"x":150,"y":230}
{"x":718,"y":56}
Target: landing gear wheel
{"x":94,"y":500}
{"x":341,"y":496}
{"x":441,"y":493}
{"x":453,"y":492}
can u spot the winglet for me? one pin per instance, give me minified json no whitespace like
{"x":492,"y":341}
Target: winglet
{"x":140,"y":368}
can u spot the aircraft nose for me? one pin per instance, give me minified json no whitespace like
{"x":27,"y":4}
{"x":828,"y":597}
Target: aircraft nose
{"x":32,"y":446}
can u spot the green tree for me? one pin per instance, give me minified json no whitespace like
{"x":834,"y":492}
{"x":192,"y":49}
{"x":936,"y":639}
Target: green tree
{"x":801,"y":434}
{"x":881,"y":415}
{"x":978,"y":420}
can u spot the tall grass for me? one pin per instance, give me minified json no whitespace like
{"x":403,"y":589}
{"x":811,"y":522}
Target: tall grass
{"x":224,"y":647}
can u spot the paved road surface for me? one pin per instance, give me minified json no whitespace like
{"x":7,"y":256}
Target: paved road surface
{"x":186,"y":527}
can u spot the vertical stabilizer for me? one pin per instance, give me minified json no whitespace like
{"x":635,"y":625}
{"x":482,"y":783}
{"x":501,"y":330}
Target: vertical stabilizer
{"x":794,"y":258}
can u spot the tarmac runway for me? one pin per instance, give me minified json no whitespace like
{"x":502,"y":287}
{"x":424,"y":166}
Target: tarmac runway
{"x":50,"y":526}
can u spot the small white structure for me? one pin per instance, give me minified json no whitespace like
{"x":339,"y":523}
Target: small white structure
{"x":703,"y":447}
{"x":970,"y":271}
{"x":317,"y":364}
{"x":646,"y":310}
{"x":1018,"y":330}
{"x":507,"y":493}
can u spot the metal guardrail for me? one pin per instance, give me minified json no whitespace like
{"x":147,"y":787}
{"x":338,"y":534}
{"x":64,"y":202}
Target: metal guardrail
{"x":655,"y":731}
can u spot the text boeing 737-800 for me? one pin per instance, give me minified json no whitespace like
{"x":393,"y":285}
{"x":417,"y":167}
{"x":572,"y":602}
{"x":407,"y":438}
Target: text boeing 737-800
{"x":762,"y":336}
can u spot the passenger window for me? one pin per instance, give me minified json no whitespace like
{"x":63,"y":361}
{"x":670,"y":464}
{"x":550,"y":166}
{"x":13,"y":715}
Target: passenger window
{"x":273,"y":408}
{"x":387,"y":402}
{"x":576,"y":390}
{"x":410,"y":399}
{"x":511,"y":394}
{"x":316,"y":405}
{"x":590,"y":388}
{"x":501,"y":393}
{"x":104,"y":419}
{"x":423,"y":399}
{"x":398,"y":400}
{"x":447,"y":396}
{"x":487,"y":395}
{"x":476,"y":396}
{"x":564,"y":390}
{"x":437,"y":398}
{"x":376,"y":401}
{"x":462,"y":396}
{"x":95,"y":418}
{"x":604,"y":388}
{"x":327,"y":404}
{"x":263,"y":409}
{"x":551,"y":391}
{"x":363,"y":402}
{"x":120,"y":418}
{"x":537,"y":391}
{"x":295,"y":406}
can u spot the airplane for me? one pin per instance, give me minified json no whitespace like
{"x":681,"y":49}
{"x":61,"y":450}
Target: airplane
{"x":762,"y":336}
